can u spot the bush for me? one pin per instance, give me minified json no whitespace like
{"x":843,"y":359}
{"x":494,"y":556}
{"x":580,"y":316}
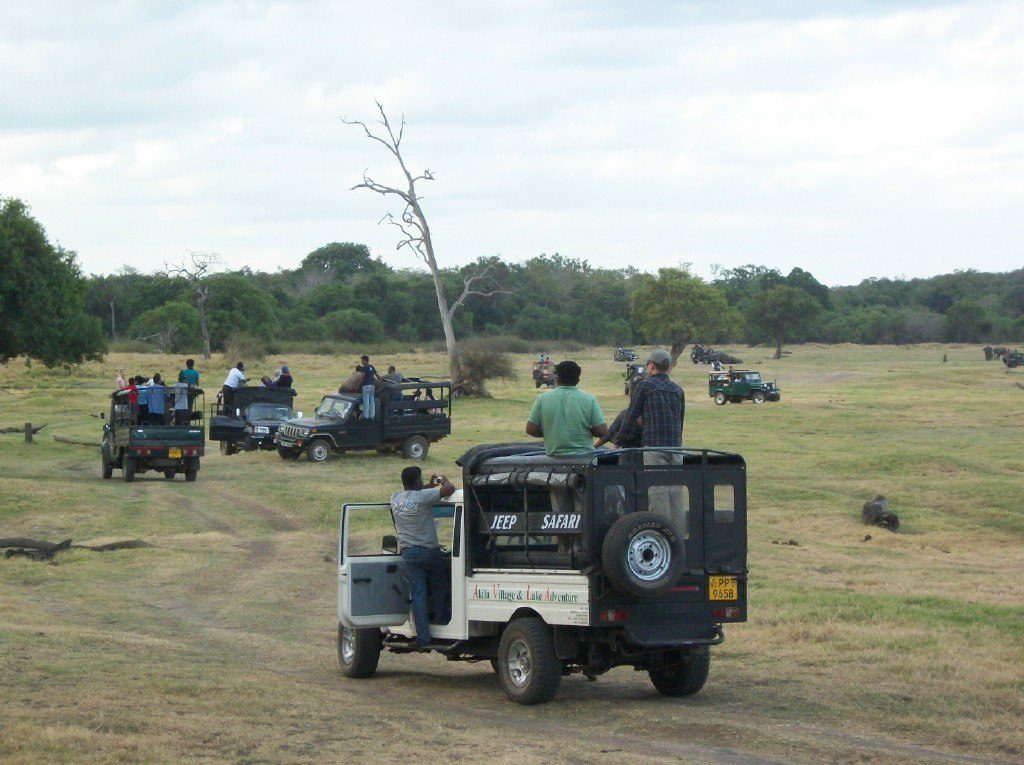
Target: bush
{"x":242,"y":346}
{"x":506,"y":343}
{"x":354,"y":326}
{"x":171,"y":328}
{"x":479,"y":361}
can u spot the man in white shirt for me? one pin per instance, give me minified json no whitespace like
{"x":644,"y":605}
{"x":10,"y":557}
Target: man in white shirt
{"x":236,"y":379}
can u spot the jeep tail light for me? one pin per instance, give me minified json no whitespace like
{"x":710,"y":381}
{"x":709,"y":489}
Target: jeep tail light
{"x":611,"y":616}
{"x":726,"y":612}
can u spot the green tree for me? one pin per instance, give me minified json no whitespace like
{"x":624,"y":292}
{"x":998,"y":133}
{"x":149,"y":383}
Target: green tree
{"x":236,"y":305}
{"x":353,"y":325}
{"x":966,"y":322}
{"x":680,"y":308}
{"x":779,"y":313}
{"x":42,"y":309}
{"x":174,"y":327}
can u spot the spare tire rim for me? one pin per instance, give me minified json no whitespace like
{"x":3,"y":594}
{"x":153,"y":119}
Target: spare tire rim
{"x":519,"y":665}
{"x":648,"y":556}
{"x":348,"y":645}
{"x":416,"y":449}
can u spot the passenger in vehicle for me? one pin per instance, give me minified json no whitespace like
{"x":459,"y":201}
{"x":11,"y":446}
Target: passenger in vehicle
{"x":181,"y":402}
{"x":413,"y":512}
{"x":157,"y":401}
{"x":142,"y":411}
{"x":285,"y":380}
{"x":121,"y":382}
{"x":369,"y":387}
{"x":236,"y":379}
{"x":191,"y":373}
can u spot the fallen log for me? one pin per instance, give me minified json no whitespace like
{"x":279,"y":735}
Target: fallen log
{"x":21,"y":429}
{"x":123,"y":544}
{"x":75,"y":441}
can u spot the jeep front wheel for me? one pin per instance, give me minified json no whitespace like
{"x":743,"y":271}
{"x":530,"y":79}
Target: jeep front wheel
{"x":684,"y":679}
{"x":643,"y":554}
{"x":108,"y":468}
{"x":415,"y":448}
{"x":128,"y":469}
{"x":720,"y":398}
{"x":359,"y":651}
{"x":528,"y":668}
{"x":319,"y":451}
{"x":757,"y":397}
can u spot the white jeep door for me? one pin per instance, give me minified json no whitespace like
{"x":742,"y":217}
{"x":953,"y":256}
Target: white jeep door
{"x":372,"y":591}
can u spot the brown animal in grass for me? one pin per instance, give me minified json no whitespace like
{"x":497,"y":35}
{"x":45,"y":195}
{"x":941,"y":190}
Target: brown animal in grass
{"x":876,"y":513}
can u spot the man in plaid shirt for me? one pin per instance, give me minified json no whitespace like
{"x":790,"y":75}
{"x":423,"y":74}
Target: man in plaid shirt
{"x":655,"y":414}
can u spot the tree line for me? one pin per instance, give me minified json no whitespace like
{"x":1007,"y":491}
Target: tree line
{"x":342,"y":293}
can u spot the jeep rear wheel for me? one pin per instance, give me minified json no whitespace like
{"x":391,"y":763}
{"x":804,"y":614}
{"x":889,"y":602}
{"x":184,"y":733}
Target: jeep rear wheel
{"x":684,"y":679}
{"x":128,"y":469}
{"x":758,"y":397}
{"x":169,"y":474}
{"x":359,"y":651}
{"x":720,"y":398}
{"x":643,"y":554}
{"x":319,"y":451}
{"x":528,"y":668}
{"x":192,"y":469}
{"x":415,"y":448}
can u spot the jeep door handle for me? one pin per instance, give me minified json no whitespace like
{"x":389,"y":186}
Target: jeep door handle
{"x":362,"y":579}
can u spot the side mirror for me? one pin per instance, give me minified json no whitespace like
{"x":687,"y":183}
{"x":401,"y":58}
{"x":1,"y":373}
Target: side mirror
{"x":389,"y":544}
{"x":298,"y":416}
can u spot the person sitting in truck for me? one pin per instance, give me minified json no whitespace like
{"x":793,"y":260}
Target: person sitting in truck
{"x":285,"y":380}
{"x":413,"y":513}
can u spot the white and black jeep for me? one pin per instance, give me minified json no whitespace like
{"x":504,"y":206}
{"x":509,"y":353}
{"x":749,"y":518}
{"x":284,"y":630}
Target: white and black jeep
{"x":630,"y":557}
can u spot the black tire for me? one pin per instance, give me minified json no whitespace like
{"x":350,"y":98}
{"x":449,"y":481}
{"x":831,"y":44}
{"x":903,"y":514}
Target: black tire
{"x":528,"y":646}
{"x":494,"y":666}
{"x":227,"y":448}
{"x":359,"y":651}
{"x":319,"y":450}
{"x":721,"y":399}
{"x":108,"y":467}
{"x":249,"y":444}
{"x":536,"y":383}
{"x":169,"y":474}
{"x":415,"y":448}
{"x":128,"y":469}
{"x":758,"y":397}
{"x":683,"y":679}
{"x":287,"y":454}
{"x":192,"y":469}
{"x":643,"y":554}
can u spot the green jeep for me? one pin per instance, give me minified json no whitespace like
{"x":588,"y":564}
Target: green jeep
{"x":736,"y":385}
{"x":1013,"y":359}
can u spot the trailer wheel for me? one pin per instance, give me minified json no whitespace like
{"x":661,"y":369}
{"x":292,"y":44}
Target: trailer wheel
{"x":128,"y":469}
{"x":359,"y":651}
{"x":415,"y":448}
{"x":318,"y":451}
{"x":192,"y":469}
{"x":720,"y":398}
{"x":528,"y":668}
{"x":643,"y":554}
{"x":683,"y":679}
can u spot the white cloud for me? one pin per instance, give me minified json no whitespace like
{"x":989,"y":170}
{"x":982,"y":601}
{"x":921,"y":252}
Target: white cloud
{"x":851,"y":139}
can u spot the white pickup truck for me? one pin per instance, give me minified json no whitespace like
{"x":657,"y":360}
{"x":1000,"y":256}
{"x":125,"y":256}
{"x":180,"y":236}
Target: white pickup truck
{"x":643,"y":569}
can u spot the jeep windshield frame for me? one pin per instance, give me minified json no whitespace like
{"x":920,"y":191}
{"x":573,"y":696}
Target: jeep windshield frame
{"x":269,"y":411}
{"x":334,"y":408}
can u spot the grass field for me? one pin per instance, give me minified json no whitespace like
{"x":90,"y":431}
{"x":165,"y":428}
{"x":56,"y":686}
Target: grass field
{"x":218,"y":645}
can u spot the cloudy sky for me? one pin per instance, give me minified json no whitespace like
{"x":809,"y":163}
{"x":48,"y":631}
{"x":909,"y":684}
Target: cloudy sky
{"x":852,"y":139}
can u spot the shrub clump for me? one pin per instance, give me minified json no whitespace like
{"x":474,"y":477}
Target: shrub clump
{"x":478,"y":361}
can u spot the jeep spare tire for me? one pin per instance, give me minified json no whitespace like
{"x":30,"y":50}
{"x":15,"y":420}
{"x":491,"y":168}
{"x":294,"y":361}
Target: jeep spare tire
{"x":643,"y":554}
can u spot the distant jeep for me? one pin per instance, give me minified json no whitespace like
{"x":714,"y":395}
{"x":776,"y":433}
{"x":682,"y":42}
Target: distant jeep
{"x":633,"y":375}
{"x":543,"y":374}
{"x":1013,"y":359}
{"x":624,"y":354}
{"x":739,"y":385}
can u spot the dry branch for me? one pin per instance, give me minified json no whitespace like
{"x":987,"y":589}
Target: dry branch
{"x":75,"y":441}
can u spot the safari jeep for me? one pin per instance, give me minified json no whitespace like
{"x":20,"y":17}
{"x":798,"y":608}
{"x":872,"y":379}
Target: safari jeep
{"x":738,"y":385}
{"x":642,"y":567}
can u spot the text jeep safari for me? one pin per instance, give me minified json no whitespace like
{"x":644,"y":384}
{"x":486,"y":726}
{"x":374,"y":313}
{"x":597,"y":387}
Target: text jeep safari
{"x":136,"y":443}
{"x":257,"y":413}
{"x":410,"y":416}
{"x":643,"y":567}
{"x":738,"y":385}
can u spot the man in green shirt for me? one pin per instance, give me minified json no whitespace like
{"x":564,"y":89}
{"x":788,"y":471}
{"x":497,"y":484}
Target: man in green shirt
{"x":567,"y":418}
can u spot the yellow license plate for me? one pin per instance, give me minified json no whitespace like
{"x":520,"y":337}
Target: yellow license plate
{"x":174,"y":454}
{"x":723,"y":588}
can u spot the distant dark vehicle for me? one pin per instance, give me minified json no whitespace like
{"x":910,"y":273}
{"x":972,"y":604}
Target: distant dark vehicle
{"x":739,"y":385}
{"x":624,"y":354}
{"x":1013,"y":359}
{"x":258,"y":412}
{"x":544,"y":374}
{"x":633,"y":375}
{"x":702,"y":355}
{"x":411,"y":415}
{"x":999,"y":351}
{"x":136,"y":444}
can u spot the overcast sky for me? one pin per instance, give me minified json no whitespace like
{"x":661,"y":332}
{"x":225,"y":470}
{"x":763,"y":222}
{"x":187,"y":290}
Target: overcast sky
{"x":851,"y":139}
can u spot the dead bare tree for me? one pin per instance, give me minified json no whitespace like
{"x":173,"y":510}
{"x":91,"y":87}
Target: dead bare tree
{"x":412,"y":222}
{"x":195,"y":268}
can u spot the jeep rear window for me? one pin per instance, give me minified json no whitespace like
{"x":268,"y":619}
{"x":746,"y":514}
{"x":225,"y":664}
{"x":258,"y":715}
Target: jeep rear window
{"x":674,"y":503}
{"x":725,"y":503}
